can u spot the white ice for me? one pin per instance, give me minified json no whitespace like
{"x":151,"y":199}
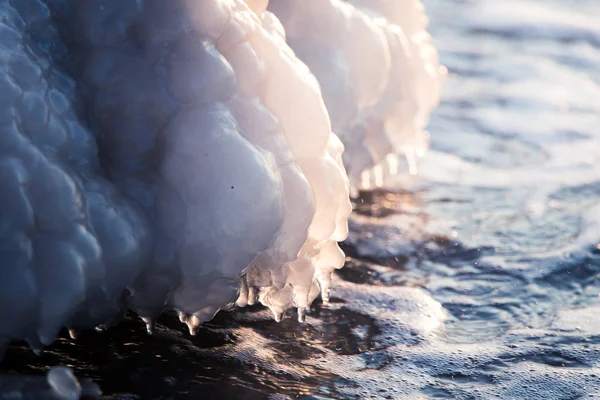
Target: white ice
{"x":380,"y":76}
{"x":180,"y":155}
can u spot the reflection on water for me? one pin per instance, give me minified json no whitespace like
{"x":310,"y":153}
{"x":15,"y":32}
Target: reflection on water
{"x":479,"y":279}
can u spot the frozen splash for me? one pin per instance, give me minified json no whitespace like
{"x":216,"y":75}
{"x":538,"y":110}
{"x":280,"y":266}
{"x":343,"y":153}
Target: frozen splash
{"x":379,"y":73}
{"x":501,"y":230}
{"x":179,"y":155}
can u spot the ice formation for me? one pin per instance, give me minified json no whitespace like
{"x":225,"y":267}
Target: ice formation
{"x":59,"y":383}
{"x":178,"y":155}
{"x":379,"y":73}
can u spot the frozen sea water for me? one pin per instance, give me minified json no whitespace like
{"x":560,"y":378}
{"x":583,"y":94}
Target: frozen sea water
{"x":478,"y":279}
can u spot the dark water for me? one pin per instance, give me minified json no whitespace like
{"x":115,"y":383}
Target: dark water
{"x":479,"y":279}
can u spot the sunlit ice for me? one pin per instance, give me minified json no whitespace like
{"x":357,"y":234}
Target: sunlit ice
{"x":194,"y":156}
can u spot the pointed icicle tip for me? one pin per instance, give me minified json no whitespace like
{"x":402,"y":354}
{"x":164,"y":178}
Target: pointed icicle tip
{"x":35,"y":344}
{"x":193,"y":323}
{"x":277,"y":315}
{"x":252,"y":295}
{"x":324,"y":282}
{"x":150,"y":324}
{"x":325,"y":292}
{"x":183,"y":317}
{"x":301,"y":314}
{"x":242,"y":299}
{"x":74,"y":333}
{"x":411,"y":159}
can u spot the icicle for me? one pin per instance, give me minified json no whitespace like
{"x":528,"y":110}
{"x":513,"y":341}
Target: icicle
{"x":411,"y":159}
{"x":242,"y":299}
{"x":325,"y":285}
{"x":74,"y":333}
{"x":150,"y":324}
{"x":193,"y":323}
{"x":252,"y":295}
{"x":301,"y":314}
{"x":183,"y":317}
{"x":277,"y":314}
{"x":35,"y":345}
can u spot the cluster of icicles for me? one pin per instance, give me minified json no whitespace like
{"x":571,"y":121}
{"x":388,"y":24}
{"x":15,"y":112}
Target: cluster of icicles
{"x":182,"y":155}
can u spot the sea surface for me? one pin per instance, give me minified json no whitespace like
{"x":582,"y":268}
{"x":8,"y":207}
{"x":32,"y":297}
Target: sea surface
{"x":477,"y":279}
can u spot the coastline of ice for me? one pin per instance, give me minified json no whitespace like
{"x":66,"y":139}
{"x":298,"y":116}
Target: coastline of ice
{"x":181,"y":156}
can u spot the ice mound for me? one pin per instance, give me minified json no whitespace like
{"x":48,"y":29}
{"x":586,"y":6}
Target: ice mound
{"x":379,"y":73}
{"x":159,"y":155}
{"x":179,"y":156}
